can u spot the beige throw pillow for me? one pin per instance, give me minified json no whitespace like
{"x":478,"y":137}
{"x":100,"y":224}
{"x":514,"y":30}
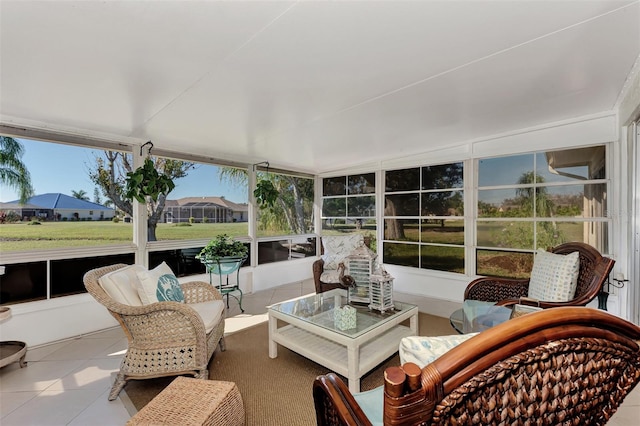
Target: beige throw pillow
{"x":554,"y":277}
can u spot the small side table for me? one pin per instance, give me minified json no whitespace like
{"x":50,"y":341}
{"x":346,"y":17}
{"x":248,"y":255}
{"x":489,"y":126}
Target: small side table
{"x":227,"y":266}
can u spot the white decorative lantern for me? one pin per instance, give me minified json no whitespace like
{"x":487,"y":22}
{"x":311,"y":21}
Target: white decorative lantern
{"x":381,"y":291}
{"x":359,"y":266}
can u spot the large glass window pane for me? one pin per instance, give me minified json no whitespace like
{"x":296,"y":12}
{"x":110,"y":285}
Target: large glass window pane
{"x":334,"y":186}
{"x":23,"y":282}
{"x":589,"y":200}
{"x":293,"y":211}
{"x":208,"y":200}
{"x":69,"y":206}
{"x":442,"y":176}
{"x":334,"y":207}
{"x":442,"y":258}
{"x":402,"y":230}
{"x":443,"y":203}
{"x":286,"y":249}
{"x":66,"y":274}
{"x":402,"y":254}
{"x":362,"y":184}
{"x":402,"y":180}
{"x":572,"y":164}
{"x":505,"y":202}
{"x":508,"y":264}
{"x":361,"y":206}
{"x":504,"y":170}
{"x":506,"y":234}
{"x":591,"y":232}
{"x":443,"y":231}
{"x":402,"y":205}
{"x":181,"y":261}
{"x":566,"y":185}
{"x":352,"y":212}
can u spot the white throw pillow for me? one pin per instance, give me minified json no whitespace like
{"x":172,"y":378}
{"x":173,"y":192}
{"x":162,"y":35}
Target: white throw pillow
{"x":122,"y":285}
{"x":159,"y":285}
{"x":554,"y":277}
{"x":337,"y":247}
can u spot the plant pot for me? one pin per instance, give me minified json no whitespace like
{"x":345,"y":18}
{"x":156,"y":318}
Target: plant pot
{"x":224,"y":265}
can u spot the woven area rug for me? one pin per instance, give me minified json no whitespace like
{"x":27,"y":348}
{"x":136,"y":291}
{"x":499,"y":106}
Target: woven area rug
{"x":275,"y":391}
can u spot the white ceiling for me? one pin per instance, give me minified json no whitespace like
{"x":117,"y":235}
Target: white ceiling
{"x":311,"y":85}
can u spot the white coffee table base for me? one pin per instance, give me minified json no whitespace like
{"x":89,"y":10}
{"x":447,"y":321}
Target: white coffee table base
{"x":349,"y":357}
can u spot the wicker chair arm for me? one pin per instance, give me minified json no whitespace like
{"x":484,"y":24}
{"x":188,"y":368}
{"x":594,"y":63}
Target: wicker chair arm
{"x":334,"y":403}
{"x":492,"y":289}
{"x":199,"y":291}
{"x":176,"y":320}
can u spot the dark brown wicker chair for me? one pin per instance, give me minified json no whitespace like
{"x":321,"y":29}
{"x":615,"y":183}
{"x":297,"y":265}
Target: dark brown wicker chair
{"x":318,"y":269}
{"x":570,"y":365}
{"x":594,"y":269}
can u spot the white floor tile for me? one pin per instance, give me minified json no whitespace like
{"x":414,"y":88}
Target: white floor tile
{"x":36,"y":376}
{"x":93,"y":374}
{"x":9,"y":401}
{"x":85,"y":348}
{"x":102,"y":412}
{"x":37,"y":354}
{"x":52,"y":408}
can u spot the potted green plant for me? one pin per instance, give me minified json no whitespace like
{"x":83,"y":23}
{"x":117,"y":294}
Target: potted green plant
{"x":266,"y":194}
{"x":223,"y":255}
{"x":146,"y":181}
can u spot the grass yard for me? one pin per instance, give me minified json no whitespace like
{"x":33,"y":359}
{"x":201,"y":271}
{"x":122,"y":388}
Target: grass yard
{"x":49,"y":235}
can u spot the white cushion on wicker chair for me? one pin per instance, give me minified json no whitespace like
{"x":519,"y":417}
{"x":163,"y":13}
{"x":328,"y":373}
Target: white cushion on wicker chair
{"x":554,"y":277}
{"x":210,"y":312}
{"x":121,"y":285}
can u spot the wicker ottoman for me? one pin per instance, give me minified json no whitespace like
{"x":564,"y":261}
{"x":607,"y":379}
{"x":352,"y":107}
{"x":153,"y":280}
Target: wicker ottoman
{"x":189,"y":401}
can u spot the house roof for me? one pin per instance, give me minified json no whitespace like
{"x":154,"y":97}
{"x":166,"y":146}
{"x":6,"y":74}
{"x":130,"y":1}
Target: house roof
{"x":207,"y":201}
{"x":56,"y":200}
{"x":312,"y":86}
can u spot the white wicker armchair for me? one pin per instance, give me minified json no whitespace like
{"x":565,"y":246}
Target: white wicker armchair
{"x":165,"y":338}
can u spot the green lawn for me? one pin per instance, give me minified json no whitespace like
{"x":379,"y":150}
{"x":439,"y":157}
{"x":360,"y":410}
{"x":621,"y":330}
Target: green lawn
{"x":48,"y":235}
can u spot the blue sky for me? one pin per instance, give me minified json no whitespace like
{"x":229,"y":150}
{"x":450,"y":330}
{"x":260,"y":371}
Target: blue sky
{"x":65,"y":168}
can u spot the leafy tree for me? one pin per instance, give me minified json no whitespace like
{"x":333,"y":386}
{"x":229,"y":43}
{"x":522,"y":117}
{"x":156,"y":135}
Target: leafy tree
{"x":110,"y":170}
{"x":293,"y":205}
{"x":529,"y":199}
{"x":13,"y":172}
{"x":80,"y":195}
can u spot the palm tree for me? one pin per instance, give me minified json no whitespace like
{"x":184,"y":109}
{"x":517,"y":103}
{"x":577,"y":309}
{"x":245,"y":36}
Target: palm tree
{"x":80,"y":195}
{"x":13,"y":172}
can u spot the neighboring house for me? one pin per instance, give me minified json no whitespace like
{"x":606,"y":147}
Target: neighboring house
{"x":215,"y":209}
{"x":56,"y":206}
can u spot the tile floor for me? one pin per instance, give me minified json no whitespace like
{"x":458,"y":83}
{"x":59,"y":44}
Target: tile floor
{"x":67,"y":383}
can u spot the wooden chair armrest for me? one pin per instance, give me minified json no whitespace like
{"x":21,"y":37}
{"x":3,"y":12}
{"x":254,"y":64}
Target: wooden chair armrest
{"x":334,"y":403}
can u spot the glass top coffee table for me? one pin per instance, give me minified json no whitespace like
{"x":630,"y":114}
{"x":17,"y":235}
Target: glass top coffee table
{"x":306,"y":325}
{"x":476,"y":316}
